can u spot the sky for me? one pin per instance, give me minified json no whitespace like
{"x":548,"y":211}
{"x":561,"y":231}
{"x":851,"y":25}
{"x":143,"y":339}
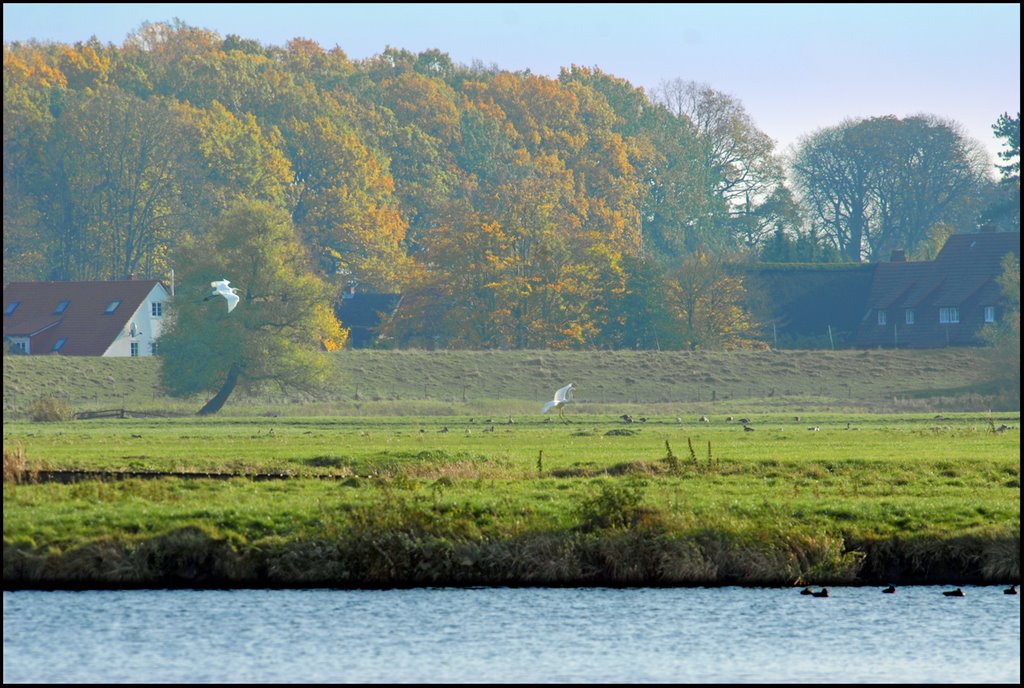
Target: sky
{"x":796,"y":68}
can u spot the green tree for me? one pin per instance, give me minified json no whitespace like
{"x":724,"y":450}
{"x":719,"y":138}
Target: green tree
{"x":273,"y":336}
{"x":28,"y":125}
{"x":1004,"y":207}
{"x":736,"y":161}
{"x":706,"y":300}
{"x":882,"y":183}
{"x":1003,"y":337}
{"x":116,"y":168}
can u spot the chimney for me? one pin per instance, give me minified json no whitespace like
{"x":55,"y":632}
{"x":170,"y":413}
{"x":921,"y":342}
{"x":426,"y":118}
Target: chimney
{"x":131,"y":276}
{"x":989,"y":228}
{"x":898,"y":256}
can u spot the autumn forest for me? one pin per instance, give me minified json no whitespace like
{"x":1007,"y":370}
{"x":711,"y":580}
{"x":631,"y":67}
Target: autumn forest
{"x":510,"y":210}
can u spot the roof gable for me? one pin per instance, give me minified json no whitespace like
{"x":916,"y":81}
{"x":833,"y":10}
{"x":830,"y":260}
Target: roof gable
{"x":85,"y":323}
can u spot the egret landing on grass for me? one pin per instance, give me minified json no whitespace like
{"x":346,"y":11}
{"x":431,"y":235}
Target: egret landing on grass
{"x":221,"y":288}
{"x":562,"y":397}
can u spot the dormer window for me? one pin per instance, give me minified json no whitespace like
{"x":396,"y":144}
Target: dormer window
{"x":11,"y":307}
{"x":112,"y":307}
{"x":59,"y":343}
{"x":61,"y":307}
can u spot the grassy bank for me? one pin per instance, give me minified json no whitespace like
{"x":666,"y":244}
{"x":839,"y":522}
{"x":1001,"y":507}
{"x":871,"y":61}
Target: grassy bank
{"x":411,"y":383}
{"x":395,"y":500}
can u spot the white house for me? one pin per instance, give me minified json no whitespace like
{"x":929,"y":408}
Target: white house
{"x":120,"y":318}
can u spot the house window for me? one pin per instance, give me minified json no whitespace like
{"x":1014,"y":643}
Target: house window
{"x":112,"y":307}
{"x":61,"y":307}
{"x":990,"y":314}
{"x":158,"y":309}
{"x":135,"y":348}
{"x":881,"y":317}
{"x":909,"y":313}
{"x":11,"y":306}
{"x":18,"y":347}
{"x":949,"y":315}
{"x":59,"y":343}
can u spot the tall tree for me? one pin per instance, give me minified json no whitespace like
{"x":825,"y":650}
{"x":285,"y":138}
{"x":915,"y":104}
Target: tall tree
{"x":1003,"y":337}
{"x":882,"y":183}
{"x":345,"y":205}
{"x":737,"y":160}
{"x":273,"y":336}
{"x":1004,"y":207}
{"x":117,"y":168}
{"x":925,"y":172}
{"x":833,"y":178}
{"x":28,"y":125}
{"x":706,"y":300}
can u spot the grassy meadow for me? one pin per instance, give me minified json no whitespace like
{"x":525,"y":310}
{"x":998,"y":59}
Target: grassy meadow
{"x":411,"y":383}
{"x":405,"y":481}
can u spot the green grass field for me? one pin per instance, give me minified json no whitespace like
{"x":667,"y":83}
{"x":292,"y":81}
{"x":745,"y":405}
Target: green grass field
{"x":809,"y":497}
{"x":382,"y":496}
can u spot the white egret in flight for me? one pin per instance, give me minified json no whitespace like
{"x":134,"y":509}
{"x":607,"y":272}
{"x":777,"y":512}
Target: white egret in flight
{"x":221,"y":288}
{"x":562,"y":397}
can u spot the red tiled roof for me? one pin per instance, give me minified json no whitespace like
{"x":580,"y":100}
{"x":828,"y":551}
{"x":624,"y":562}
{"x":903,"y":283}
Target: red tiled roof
{"x":85,"y":325}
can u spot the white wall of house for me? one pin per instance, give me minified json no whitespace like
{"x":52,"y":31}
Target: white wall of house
{"x":148,"y":325}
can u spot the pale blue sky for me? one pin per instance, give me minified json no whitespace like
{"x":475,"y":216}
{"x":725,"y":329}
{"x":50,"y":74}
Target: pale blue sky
{"x":795,"y":67}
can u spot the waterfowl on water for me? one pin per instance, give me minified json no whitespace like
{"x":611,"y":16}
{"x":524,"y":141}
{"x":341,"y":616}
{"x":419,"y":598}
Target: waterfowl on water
{"x":954,"y":593}
{"x":821,"y":593}
{"x":890,"y":589}
{"x":806,"y":591}
{"x":1012,"y":590}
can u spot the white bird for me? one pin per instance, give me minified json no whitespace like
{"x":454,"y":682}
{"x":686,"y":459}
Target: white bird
{"x":221,"y":288}
{"x":562,"y":397}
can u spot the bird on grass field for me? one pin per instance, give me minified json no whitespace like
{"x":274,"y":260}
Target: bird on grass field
{"x":562,"y":397}
{"x":222,"y":288}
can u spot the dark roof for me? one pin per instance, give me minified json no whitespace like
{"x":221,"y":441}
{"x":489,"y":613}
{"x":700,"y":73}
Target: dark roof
{"x":805,"y":300}
{"x":967,"y":263}
{"x":363,"y":312}
{"x":88,"y":329}
{"x":964,"y":275}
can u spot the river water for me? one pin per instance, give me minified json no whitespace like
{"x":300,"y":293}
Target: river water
{"x":513,"y":635}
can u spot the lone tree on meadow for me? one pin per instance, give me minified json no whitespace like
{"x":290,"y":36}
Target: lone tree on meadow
{"x":275,"y":334}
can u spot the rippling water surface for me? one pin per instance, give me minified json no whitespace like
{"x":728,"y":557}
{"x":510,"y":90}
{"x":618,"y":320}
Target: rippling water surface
{"x":503,"y":635}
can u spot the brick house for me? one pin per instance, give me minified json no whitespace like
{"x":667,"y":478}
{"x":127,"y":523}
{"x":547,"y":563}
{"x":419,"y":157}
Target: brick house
{"x":938,"y":303}
{"x":119,"y":318}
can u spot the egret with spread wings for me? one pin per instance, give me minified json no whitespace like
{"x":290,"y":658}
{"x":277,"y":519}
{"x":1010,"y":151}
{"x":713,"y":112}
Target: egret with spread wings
{"x":562,"y":397}
{"x":221,"y":288}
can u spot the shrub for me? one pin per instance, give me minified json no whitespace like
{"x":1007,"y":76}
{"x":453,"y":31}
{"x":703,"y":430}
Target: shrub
{"x":15,"y":465}
{"x":617,"y":506}
{"x":51,"y":409}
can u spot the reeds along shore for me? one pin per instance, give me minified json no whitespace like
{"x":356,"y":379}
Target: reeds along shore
{"x":387,"y":554}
